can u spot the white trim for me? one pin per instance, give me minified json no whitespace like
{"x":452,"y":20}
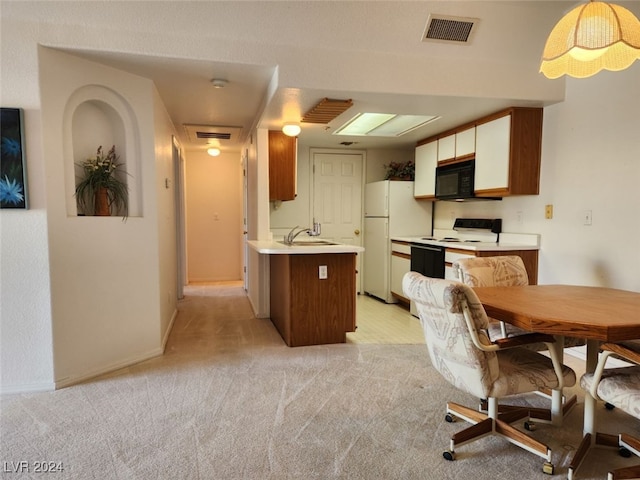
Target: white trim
{"x":27,"y":388}
{"x":169,"y":328}
{"x":68,"y":381}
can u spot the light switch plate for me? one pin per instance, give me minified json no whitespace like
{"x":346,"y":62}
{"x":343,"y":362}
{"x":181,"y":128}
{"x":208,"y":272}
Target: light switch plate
{"x":322,"y":272}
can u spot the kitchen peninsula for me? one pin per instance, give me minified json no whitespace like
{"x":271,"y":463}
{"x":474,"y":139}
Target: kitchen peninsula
{"x":312,"y":290}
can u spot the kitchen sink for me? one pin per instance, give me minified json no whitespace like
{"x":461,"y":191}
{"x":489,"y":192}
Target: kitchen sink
{"x":310,"y":243}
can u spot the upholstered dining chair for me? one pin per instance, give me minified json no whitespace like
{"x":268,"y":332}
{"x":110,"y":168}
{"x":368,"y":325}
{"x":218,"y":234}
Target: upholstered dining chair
{"x":620,"y":387}
{"x":507,"y":271}
{"x":455,"y":329}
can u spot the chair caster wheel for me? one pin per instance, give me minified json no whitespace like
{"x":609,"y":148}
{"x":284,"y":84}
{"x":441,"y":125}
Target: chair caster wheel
{"x":609,"y":406}
{"x":449,"y":455}
{"x":624,"y":452}
{"x":548,"y":468}
{"x":529,"y":426}
{"x":449,"y":418}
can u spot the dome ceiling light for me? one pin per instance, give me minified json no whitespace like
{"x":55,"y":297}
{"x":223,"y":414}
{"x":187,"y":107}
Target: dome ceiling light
{"x":219,"y":82}
{"x":590,"y":38}
{"x":291,"y":129}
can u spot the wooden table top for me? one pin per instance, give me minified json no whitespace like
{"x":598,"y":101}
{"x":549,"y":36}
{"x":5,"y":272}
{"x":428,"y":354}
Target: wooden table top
{"x":577,"y":311}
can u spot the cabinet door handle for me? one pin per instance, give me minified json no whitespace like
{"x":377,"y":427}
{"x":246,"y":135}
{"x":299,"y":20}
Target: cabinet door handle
{"x":356,"y":231}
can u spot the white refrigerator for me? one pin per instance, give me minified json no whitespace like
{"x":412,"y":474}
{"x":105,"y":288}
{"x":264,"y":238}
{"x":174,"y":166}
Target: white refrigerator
{"x":390,"y":210}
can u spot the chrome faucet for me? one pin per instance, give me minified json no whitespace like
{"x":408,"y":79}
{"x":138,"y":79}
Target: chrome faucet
{"x":291,"y":236}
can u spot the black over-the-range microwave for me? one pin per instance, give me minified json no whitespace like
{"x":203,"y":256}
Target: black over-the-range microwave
{"x":455,"y":181}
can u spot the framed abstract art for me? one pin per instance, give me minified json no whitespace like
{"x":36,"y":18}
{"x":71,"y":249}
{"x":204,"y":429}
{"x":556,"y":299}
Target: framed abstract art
{"x":13,"y":175}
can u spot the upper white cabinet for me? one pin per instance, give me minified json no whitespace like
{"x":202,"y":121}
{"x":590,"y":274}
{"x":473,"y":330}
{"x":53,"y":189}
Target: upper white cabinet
{"x":492,"y":154}
{"x":508,"y":149}
{"x":426,"y":161}
{"x":506,"y":146}
{"x":446,"y":148}
{"x":466,"y":143}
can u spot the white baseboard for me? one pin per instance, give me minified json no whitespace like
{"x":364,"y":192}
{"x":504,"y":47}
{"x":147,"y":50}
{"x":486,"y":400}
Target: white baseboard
{"x":27,"y":388}
{"x":581,"y":353}
{"x":68,"y":381}
{"x":169,"y":328}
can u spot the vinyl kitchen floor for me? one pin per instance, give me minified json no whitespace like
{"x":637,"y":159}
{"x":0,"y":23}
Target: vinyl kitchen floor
{"x":379,"y":322}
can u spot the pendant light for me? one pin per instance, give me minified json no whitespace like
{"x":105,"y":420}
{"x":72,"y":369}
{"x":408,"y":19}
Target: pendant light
{"x":592,"y":37}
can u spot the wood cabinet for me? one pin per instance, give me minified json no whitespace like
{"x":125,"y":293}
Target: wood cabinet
{"x":508,"y":152}
{"x":529,"y":258}
{"x":282,"y":166}
{"x":426,"y":161}
{"x":306,"y":309}
{"x":400,"y":265}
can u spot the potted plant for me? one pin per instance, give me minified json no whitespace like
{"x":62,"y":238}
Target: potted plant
{"x":100,"y":189}
{"x":400,"y":171}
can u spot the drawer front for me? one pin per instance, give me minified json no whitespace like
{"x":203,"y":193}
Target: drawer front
{"x":451,"y":255}
{"x":401,"y":247}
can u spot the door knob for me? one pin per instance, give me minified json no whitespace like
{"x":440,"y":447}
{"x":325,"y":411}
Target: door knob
{"x":356,"y":231}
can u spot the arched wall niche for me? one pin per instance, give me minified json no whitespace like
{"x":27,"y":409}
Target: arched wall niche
{"x":95,"y":116}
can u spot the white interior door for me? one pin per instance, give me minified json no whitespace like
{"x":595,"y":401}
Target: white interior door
{"x":337,"y":197}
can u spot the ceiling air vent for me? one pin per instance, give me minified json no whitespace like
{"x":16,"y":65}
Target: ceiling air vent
{"x":201,"y":134}
{"x":326,"y":110}
{"x":443,"y":28}
{"x":218,"y":136}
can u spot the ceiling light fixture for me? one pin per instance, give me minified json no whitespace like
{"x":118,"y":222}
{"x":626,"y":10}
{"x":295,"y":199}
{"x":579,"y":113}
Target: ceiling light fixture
{"x":383,"y":124}
{"x":590,"y":38}
{"x":214,"y":152}
{"x":291,"y":129}
{"x":219,"y":82}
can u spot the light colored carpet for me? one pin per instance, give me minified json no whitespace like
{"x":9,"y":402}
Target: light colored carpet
{"x":229,"y":400}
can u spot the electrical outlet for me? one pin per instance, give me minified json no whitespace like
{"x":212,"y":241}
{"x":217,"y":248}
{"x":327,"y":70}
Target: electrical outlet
{"x":322,"y":272}
{"x":519,"y":217}
{"x":587,"y":217}
{"x":548,"y":212}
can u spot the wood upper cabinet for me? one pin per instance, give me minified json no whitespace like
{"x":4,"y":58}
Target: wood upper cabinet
{"x":282,"y":166}
{"x":426,"y":161}
{"x":508,"y":150}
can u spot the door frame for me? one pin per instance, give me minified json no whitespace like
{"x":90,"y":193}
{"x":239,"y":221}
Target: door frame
{"x":179,"y":202}
{"x":363,"y":173}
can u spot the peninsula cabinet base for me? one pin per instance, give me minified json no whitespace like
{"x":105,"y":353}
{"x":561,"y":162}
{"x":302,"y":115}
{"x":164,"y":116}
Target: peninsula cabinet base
{"x":306,"y":309}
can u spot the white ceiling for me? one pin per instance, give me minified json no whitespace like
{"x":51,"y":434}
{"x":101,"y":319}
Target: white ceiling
{"x":281,"y":58}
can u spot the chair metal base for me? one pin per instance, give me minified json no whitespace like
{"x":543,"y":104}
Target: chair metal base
{"x":498,"y":424}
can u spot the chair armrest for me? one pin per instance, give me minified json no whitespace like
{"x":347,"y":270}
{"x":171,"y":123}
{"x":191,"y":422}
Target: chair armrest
{"x":622,"y":351}
{"x":607,"y":349}
{"x":526,"y":339}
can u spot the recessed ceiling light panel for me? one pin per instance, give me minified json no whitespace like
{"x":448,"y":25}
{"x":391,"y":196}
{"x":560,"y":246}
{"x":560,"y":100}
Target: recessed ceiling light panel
{"x":383,"y":124}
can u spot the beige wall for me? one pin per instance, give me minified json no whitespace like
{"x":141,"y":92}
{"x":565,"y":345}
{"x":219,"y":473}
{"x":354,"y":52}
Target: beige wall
{"x":214,"y":216}
{"x":109,"y":301}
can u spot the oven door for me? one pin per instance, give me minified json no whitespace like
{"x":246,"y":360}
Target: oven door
{"x":427,"y":260}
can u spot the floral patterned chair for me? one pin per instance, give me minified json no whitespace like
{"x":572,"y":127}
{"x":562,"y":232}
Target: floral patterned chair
{"x":619,"y":387}
{"x":455,"y":329}
{"x":509,"y":271}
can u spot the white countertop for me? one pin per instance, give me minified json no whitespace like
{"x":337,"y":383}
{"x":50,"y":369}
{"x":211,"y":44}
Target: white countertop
{"x":273,"y":247}
{"x":508,"y":241}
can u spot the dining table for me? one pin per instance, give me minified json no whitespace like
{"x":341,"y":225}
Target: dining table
{"x":596,"y":314}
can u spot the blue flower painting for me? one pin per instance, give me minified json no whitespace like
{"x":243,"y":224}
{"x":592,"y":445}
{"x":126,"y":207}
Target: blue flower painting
{"x":13,"y":191}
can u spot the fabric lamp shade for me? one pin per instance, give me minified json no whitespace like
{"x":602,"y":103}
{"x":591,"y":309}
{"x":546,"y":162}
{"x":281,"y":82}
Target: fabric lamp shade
{"x":590,"y":38}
